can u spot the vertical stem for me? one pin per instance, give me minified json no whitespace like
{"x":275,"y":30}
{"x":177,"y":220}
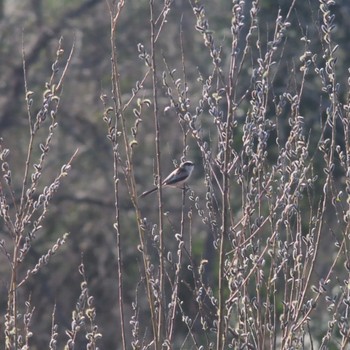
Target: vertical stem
{"x":119,"y":108}
{"x":12,"y":302}
{"x":119,"y":253}
{"x":159,"y":175}
{"x":225,"y":222}
{"x":225,"y":198}
{"x":179,"y":257}
{"x":117,"y":102}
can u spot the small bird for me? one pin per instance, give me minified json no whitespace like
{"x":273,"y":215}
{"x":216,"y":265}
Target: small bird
{"x":177,"y":178}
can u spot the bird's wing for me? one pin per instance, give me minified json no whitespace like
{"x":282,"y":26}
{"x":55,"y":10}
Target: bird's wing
{"x":175,"y":177}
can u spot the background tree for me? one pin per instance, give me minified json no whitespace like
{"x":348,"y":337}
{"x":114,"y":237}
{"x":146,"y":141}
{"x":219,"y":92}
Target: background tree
{"x":255,"y":254}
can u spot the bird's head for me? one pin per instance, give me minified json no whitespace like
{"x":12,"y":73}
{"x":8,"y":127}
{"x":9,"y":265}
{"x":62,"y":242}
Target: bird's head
{"x":188,"y":165}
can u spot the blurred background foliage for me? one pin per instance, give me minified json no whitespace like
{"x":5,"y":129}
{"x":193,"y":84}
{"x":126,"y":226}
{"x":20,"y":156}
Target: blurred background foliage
{"x":84,"y":205}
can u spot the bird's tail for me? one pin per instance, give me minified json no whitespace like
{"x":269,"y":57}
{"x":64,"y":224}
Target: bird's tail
{"x":144,"y":194}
